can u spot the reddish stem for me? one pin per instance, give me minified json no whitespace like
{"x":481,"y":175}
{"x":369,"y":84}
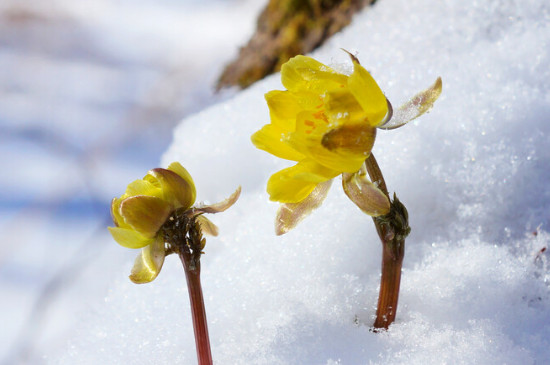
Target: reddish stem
{"x":392,"y":261}
{"x":198,"y":313}
{"x":393,"y":250}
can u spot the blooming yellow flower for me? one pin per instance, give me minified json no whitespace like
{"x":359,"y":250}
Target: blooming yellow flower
{"x":145,"y":207}
{"x":326,"y":121}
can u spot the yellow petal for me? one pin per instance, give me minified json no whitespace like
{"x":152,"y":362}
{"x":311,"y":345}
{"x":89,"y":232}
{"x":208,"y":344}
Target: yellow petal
{"x":207,"y":227}
{"x":311,"y":123}
{"x":142,"y":187}
{"x":295,"y":183}
{"x":115,"y":213}
{"x":310,"y":128}
{"x":368,"y":94}
{"x":290,"y":214}
{"x":129,"y":238}
{"x":343,"y":148}
{"x":183,"y":173}
{"x":305,"y":73}
{"x":271,"y":139}
{"x":145,"y":214}
{"x":137,"y":187}
{"x":177,"y":190}
{"x":310,"y":100}
{"x":366,"y":195}
{"x":148,"y":264}
{"x":421,"y":103}
{"x":221,"y":206}
{"x":336,"y":152}
{"x":342,"y":107}
{"x":283,"y":107}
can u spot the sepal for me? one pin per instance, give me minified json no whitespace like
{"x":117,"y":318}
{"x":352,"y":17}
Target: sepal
{"x":290,"y":214}
{"x":207,"y":227}
{"x":218,"y":207}
{"x":365,"y":194}
{"x":421,"y":103}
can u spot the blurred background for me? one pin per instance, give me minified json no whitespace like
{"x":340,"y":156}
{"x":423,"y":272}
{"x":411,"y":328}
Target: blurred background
{"x":89,"y":93}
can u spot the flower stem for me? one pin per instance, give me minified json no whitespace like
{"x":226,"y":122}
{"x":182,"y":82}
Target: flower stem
{"x":392,"y":229}
{"x":198,"y":313}
{"x":389,"y":287}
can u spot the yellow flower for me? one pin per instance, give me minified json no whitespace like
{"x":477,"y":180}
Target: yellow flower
{"x":326,"y":121}
{"x":144,"y":208}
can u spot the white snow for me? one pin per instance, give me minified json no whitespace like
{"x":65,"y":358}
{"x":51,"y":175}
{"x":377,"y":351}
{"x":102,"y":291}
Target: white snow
{"x":473,"y":174}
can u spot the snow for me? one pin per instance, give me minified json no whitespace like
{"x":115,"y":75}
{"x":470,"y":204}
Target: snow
{"x":473,"y":174}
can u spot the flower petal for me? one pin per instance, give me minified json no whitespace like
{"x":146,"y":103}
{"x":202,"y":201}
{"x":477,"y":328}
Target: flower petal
{"x":207,"y":227}
{"x":183,"y":173}
{"x":129,"y":238}
{"x":142,"y":187}
{"x":148,"y":264}
{"x":290,"y":214}
{"x":145,"y":214}
{"x":295,"y":183}
{"x":341,"y":106}
{"x":115,"y":213}
{"x":271,"y":139}
{"x":311,"y":123}
{"x":283,"y":107}
{"x":178,"y":190}
{"x":366,"y":195}
{"x":368,"y":94}
{"x":221,"y":206}
{"x":421,"y":103}
{"x":305,"y":73}
{"x":342,"y":149}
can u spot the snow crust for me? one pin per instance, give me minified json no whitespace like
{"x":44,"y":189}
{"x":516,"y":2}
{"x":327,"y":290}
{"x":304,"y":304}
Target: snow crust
{"x":473,"y":174}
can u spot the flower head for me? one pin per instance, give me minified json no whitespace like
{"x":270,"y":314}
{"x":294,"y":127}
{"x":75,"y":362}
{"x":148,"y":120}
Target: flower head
{"x":326,"y":121}
{"x":140,"y":213}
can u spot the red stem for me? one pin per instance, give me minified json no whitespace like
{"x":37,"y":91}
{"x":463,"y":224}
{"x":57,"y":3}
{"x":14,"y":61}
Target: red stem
{"x":198,"y":313}
{"x":393,"y":251}
{"x":392,"y":261}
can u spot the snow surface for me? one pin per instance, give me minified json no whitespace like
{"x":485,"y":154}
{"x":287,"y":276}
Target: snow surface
{"x":473,"y":174}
